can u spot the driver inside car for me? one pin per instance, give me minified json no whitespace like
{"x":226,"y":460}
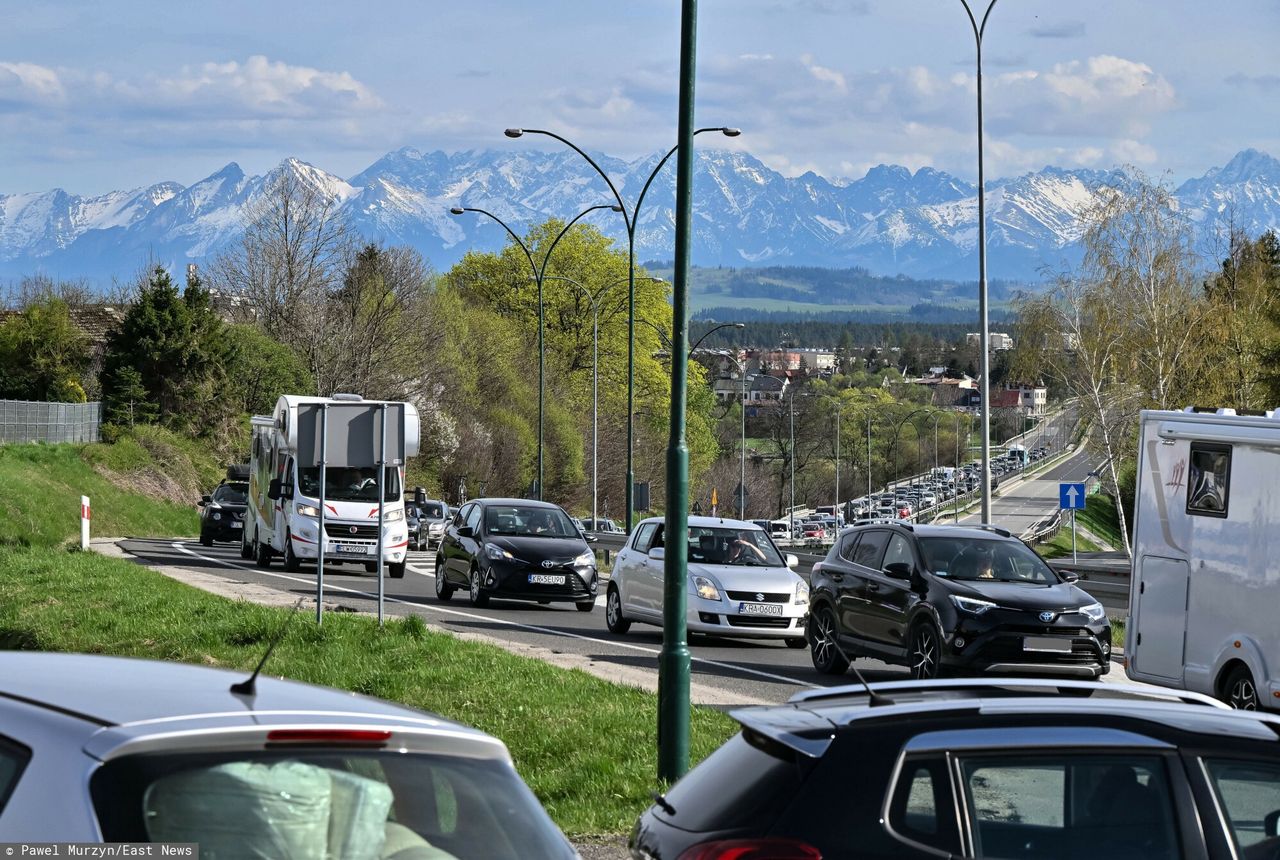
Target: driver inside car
{"x":744,"y":549}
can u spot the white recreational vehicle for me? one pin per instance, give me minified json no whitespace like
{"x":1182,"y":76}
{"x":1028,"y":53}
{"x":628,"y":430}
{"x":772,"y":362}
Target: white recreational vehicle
{"x":1206,"y":556}
{"x":346,"y":434}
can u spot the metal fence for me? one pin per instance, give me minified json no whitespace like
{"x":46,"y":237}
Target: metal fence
{"x":37,"y":421}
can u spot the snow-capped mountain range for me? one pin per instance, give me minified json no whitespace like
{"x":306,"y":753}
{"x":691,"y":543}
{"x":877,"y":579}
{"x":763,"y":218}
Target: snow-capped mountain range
{"x":891,"y":221}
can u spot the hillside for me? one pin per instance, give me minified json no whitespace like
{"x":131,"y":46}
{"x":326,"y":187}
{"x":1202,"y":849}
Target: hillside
{"x":138,"y":487}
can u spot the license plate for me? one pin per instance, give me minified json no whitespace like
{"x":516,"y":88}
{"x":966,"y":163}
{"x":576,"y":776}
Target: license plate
{"x":236,"y":524}
{"x":351,"y":549}
{"x":545,"y":579}
{"x":1046,"y":643}
{"x":759,"y":608}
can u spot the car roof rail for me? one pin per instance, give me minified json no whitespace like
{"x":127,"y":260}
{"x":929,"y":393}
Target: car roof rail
{"x":988,"y":527}
{"x":1008,"y":687}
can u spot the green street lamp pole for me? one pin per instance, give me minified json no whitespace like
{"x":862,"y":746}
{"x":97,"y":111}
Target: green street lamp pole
{"x":673,"y":662}
{"x":631,"y":221}
{"x":539,"y":275}
{"x":984,"y":385}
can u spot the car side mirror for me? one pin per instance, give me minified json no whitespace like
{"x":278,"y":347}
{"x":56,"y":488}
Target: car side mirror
{"x":275,"y":490}
{"x":466,"y":531}
{"x":590,"y":538}
{"x":898,"y":570}
{"x":658,"y":553}
{"x":204,"y":500}
{"x":792,"y":561}
{"x":1070,"y":576}
{"x":1271,"y":824}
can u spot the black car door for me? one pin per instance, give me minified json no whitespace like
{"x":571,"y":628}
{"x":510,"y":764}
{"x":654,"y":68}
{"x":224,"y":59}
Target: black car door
{"x":855,"y":615}
{"x":456,"y":559}
{"x":887,"y":598}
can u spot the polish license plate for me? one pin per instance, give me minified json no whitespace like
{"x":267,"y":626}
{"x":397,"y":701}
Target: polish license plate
{"x":236,"y":524}
{"x":351,"y":549}
{"x":1046,"y":643}
{"x":545,"y":579}
{"x":759,"y":608}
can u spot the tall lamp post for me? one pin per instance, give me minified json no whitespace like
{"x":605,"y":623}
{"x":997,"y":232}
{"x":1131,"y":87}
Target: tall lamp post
{"x":631,"y":220}
{"x":742,"y":467}
{"x":539,"y":275}
{"x":984,"y":385}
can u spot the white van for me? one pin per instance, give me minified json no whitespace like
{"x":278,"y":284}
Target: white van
{"x":1206,"y":556}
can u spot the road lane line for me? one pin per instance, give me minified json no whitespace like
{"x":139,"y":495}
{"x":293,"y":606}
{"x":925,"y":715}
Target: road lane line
{"x":488,"y":618}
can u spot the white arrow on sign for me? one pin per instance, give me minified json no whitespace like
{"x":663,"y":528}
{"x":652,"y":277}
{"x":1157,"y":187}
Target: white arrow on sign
{"x":1071,"y":496}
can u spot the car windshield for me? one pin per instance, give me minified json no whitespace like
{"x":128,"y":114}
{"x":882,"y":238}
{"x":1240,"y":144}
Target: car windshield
{"x":971,"y":558}
{"x":351,"y":805}
{"x":433,"y":511}
{"x":231,"y":494}
{"x":737,"y":546}
{"x":528,"y":522}
{"x":348,"y":484}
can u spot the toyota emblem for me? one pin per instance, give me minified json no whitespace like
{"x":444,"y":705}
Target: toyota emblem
{"x":759,"y":597}
{"x":548,"y":564}
{"x":353,"y":530}
{"x":1046,"y":617}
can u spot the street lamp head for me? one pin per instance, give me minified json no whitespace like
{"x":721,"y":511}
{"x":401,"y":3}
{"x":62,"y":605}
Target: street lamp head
{"x":731,"y":132}
{"x":457,"y":210}
{"x":616,"y":208}
{"x":739,"y":325}
{"x":514,"y":132}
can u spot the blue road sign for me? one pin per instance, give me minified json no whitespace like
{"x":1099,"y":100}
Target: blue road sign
{"x":1070,"y":496}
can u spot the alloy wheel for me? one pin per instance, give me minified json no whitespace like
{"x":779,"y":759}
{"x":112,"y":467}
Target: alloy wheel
{"x":924,"y":653}
{"x":1242,"y":694}
{"x":826,"y":657}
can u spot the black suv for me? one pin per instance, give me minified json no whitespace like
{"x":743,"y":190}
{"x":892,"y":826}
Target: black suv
{"x":984,"y":768}
{"x":222,"y":512}
{"x":940,"y":598}
{"x":516,"y":549}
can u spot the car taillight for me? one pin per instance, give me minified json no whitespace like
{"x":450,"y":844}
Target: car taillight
{"x":753,"y":849}
{"x":333,"y":737}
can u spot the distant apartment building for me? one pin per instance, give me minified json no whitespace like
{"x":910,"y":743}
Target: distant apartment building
{"x":948,"y":393}
{"x":817,"y":360}
{"x":998,"y":340}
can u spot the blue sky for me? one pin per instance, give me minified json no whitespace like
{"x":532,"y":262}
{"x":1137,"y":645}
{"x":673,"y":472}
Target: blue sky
{"x":97,"y":96}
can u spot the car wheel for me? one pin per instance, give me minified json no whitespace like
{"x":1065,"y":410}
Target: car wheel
{"x":396,"y":569}
{"x":925,"y":652}
{"x":246,"y":551}
{"x":444,"y":590}
{"x":291,"y":562}
{"x":205,"y":540}
{"x":797,"y":642}
{"x":1242,"y":693}
{"x":370,"y":567}
{"x":613,"y":618}
{"x":823,"y":650}
{"x":586,"y":605}
{"x":478,"y":598}
{"x":263,"y":557}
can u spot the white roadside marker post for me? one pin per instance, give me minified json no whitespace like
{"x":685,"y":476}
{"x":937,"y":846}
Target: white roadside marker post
{"x":85,"y":516}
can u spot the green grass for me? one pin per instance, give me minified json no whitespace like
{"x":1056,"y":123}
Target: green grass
{"x":587,"y":747}
{"x":1060,"y":546}
{"x":1099,"y":516}
{"x":41,"y":485}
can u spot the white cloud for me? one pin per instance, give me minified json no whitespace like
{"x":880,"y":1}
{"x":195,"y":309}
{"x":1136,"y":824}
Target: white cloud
{"x":27,"y":82}
{"x":821,"y":73}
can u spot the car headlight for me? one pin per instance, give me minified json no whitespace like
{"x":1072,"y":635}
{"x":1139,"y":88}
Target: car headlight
{"x":308,"y":510}
{"x":493,"y":552}
{"x":802,"y":594}
{"x":705,"y":588}
{"x":971,"y":605}
{"x":394,"y":515}
{"x":436,"y":528}
{"x":1094,"y":612}
{"x":587,"y":559}
{"x":217,"y":516}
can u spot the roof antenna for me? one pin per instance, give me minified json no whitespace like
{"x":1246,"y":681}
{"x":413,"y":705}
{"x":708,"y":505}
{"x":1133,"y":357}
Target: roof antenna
{"x":248,"y":687}
{"x":874,"y":699}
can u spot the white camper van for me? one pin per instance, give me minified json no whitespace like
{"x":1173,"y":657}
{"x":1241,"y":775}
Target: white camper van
{"x":346,"y":433}
{"x":1206,"y":556}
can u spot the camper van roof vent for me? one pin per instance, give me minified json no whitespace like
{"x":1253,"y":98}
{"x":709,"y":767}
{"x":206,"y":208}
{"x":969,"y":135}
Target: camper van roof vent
{"x":1253,"y":413}
{"x":342,"y":395}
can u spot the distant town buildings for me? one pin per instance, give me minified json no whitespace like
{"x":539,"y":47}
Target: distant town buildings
{"x":997,"y":339}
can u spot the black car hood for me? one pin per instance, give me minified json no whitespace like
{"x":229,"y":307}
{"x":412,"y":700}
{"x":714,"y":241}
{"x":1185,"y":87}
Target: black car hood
{"x":536,"y":549}
{"x":222,"y":506}
{"x":1023,"y":595}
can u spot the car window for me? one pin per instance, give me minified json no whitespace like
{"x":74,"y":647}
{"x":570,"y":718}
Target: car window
{"x":644,"y":535}
{"x":460,"y":516}
{"x":985,"y":558}
{"x":899,"y":551}
{"x":473,"y":518}
{"x":1028,"y":807}
{"x":325,"y":804}
{"x":13,"y":759}
{"x":528,"y":521}
{"x":920,"y":809}
{"x":845,"y":548}
{"x":748,"y":547}
{"x":734,"y":786}
{"x":231,"y":494}
{"x":434,"y":511}
{"x":871,"y":548}
{"x":1249,"y":793}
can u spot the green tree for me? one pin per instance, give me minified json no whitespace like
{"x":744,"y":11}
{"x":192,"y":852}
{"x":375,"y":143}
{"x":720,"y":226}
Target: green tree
{"x":260,"y":369}
{"x":42,"y":353}
{"x":129,"y":403}
{"x":1243,"y":324}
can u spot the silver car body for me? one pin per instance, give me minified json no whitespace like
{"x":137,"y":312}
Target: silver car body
{"x":745,"y":592}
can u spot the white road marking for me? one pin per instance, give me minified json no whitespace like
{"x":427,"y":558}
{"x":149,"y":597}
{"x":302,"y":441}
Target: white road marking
{"x":489,"y":618}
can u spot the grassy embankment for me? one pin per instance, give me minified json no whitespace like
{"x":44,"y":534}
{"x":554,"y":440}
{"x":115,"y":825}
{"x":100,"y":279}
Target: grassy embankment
{"x":587,"y":747}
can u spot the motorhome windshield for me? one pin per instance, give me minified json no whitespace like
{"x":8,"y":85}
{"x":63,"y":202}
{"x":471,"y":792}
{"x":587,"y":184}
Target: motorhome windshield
{"x":343,"y":484}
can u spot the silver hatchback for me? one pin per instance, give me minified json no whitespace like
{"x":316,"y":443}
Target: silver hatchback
{"x":97,"y":748}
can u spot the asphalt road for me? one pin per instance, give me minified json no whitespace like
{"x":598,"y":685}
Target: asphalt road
{"x":1031,"y":500}
{"x":725,"y":672}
